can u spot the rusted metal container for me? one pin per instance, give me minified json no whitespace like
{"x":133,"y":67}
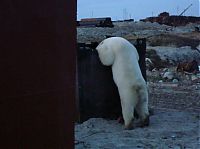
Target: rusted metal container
{"x":96,"y":22}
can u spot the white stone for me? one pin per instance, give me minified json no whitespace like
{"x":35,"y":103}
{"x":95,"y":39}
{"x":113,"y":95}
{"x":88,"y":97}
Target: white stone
{"x":168,"y":75}
{"x":175,"y":80}
{"x":194,"y":77}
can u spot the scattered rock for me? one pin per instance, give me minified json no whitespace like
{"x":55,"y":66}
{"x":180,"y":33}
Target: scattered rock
{"x":154,"y":70}
{"x":197,"y":29}
{"x":149,"y":64}
{"x":169,"y":84}
{"x":194,"y":77}
{"x":175,"y":80}
{"x":169,"y":55}
{"x":155,"y":59}
{"x":168,"y":75}
{"x":198,"y":75}
{"x":165,"y":69}
{"x":191,"y":67}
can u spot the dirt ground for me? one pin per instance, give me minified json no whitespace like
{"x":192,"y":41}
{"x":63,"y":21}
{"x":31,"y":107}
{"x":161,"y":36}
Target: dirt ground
{"x":175,"y":123}
{"x":168,"y":129}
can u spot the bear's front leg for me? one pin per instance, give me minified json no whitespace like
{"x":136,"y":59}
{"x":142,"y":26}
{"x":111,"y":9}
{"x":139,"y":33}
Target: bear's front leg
{"x":128,"y":102}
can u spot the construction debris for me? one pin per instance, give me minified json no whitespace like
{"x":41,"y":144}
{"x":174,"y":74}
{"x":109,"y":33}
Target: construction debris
{"x":188,"y":67}
{"x":165,"y":18}
{"x":96,"y":22}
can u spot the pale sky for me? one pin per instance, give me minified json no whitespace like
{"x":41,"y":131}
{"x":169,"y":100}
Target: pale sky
{"x":136,"y":9}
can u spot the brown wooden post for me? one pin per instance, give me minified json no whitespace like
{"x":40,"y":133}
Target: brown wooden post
{"x":37,"y":74}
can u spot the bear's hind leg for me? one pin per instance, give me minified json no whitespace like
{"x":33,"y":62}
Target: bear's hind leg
{"x":143,"y":113}
{"x":128,"y":116}
{"x":128,"y":105}
{"x":142,"y":108}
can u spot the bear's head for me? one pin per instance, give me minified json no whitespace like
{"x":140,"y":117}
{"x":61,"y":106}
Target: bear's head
{"x":106,"y":53}
{"x":110,"y":48}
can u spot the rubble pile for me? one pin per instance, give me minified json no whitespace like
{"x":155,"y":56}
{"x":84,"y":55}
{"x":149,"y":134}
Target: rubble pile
{"x":173,"y":44}
{"x":165,"y":18}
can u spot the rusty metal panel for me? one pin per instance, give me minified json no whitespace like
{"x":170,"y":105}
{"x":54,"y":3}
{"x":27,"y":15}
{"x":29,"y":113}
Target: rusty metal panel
{"x":141,"y":48}
{"x":97,"y":91}
{"x":98,"y":94}
{"x":37,"y":83}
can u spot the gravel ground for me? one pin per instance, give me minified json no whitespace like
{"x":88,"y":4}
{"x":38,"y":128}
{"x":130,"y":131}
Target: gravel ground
{"x":175,"y":96}
{"x":175,"y":123}
{"x":168,"y":129}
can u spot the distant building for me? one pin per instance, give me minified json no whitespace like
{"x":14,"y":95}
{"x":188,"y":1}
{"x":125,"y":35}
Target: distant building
{"x":163,"y":14}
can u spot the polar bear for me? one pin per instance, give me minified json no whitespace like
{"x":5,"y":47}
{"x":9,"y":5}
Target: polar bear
{"x":123,"y":57}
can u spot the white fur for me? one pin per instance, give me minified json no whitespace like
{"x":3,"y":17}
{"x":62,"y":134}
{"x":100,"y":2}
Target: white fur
{"x":123,"y":57}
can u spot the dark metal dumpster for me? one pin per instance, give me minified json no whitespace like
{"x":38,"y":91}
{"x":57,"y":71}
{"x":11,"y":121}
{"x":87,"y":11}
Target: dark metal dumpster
{"x":97,"y":94}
